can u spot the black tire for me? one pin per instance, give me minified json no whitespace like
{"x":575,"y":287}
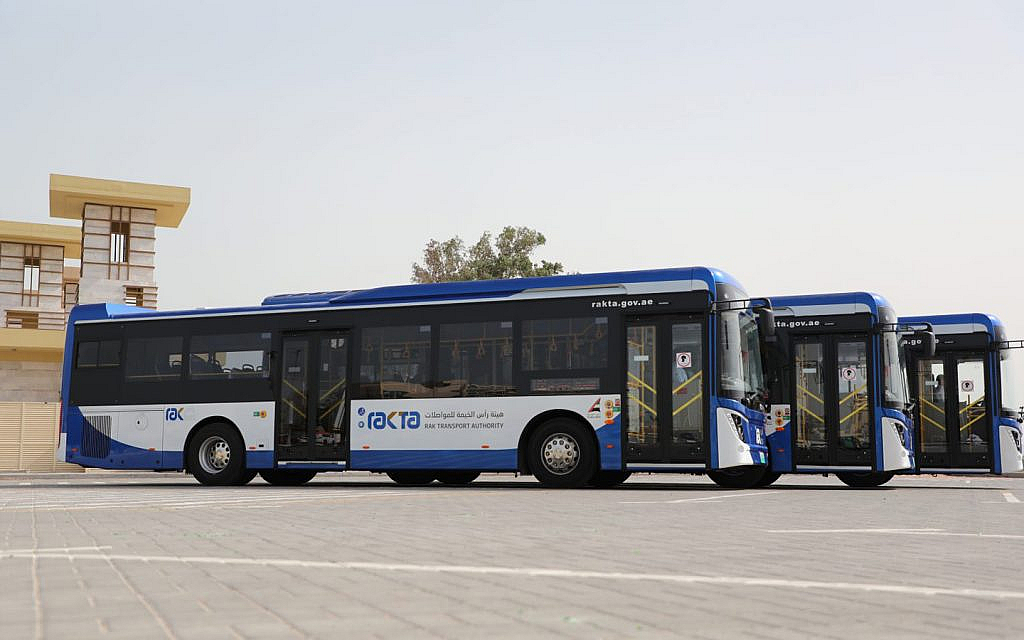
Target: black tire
{"x":287,"y":477}
{"x":216,"y":455}
{"x":865,"y":479}
{"x":768,"y":479}
{"x":561,"y":453}
{"x":608,"y":479}
{"x":246,"y":477}
{"x":412,"y":478}
{"x":738,"y":477}
{"x":456,"y":477}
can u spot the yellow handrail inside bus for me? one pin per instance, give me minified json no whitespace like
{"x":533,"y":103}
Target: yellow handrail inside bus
{"x":810,"y":393}
{"x":331,"y":390}
{"x":688,"y":381}
{"x":644,"y":384}
{"x":640,"y":402}
{"x":853,"y":393}
{"x":687,"y":403}
{"x":972,"y":404}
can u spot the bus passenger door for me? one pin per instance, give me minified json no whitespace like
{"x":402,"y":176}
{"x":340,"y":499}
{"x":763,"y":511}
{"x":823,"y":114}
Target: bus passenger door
{"x":809,"y":419}
{"x":313,"y":397}
{"x":953,"y":419}
{"x":970,"y":429}
{"x":832,"y":422}
{"x":664,"y":403}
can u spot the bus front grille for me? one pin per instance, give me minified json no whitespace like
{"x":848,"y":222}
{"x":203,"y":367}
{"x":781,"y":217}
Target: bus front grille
{"x":96,"y":437}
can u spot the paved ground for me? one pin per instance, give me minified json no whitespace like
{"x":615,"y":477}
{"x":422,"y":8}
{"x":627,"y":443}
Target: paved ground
{"x":149,"y":556}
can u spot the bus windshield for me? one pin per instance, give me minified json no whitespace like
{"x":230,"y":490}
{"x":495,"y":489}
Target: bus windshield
{"x":1010,"y":363}
{"x":741,"y":376}
{"x":894,"y":373}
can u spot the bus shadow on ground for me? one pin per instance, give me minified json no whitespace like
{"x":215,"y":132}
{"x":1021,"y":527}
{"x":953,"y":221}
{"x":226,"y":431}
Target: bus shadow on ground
{"x":480,"y":485}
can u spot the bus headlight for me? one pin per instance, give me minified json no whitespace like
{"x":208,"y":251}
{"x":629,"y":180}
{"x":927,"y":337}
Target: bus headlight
{"x":903,"y":433}
{"x":737,"y":422}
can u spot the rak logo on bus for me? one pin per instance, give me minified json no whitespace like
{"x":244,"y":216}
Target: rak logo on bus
{"x":393,"y":420}
{"x":171,"y":414}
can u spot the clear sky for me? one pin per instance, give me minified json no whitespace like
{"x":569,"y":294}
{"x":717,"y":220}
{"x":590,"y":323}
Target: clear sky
{"x":802,"y":146}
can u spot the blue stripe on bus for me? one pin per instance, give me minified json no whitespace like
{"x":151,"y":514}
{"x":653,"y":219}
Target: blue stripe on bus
{"x":609,"y":440}
{"x":469,"y":459}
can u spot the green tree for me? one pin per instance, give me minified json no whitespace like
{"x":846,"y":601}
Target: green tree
{"x":509,"y":255}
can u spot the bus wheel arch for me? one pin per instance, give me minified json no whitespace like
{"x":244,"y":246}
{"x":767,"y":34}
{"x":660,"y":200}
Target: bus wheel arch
{"x":535,"y":422}
{"x":230,"y":432}
{"x":570,"y":420}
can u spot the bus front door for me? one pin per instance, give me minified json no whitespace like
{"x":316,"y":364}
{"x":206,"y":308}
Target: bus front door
{"x":833,"y":418}
{"x":665,"y":402}
{"x":953,"y":423}
{"x":312,"y":404}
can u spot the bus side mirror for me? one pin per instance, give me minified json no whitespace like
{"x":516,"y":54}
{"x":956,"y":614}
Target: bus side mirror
{"x":766,"y":322}
{"x":927,"y":343}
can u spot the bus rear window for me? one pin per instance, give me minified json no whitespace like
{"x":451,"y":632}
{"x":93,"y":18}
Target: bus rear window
{"x":98,"y":353}
{"x":153,"y":359}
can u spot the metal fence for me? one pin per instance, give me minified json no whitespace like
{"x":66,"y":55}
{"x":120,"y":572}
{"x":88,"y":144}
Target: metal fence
{"x":28,"y":437}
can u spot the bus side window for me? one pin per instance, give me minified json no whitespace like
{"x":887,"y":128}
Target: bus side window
{"x":153,"y":359}
{"x":101,"y":353}
{"x":395,"y":362}
{"x":229,"y":356}
{"x":475,"y":359}
{"x":87,"y":354}
{"x":565,"y":343}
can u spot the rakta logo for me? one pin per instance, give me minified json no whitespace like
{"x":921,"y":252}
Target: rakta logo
{"x":798,"y":323}
{"x":620,"y":304}
{"x":172,"y":414}
{"x":393,"y":420}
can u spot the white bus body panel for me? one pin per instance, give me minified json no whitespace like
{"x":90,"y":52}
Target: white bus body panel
{"x":732,"y":452}
{"x":894,"y":455}
{"x":1010,"y":449}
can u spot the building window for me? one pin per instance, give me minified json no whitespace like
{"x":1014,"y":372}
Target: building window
{"x":70,"y":294}
{"x":133,"y":296}
{"x":31,"y":267}
{"x":22,"y":320}
{"x":395,"y":362}
{"x":119,"y":234}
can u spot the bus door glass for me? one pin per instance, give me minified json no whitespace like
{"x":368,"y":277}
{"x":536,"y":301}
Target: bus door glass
{"x":854,"y":415}
{"x":664,"y":389}
{"x":313,"y":396}
{"x":971,"y":441}
{"x":929,"y":375}
{"x":809,"y":418}
{"x":832,"y":423}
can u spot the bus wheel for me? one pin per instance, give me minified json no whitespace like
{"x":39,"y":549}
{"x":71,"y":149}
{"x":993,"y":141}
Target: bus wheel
{"x":412,"y":478}
{"x":216,"y":455}
{"x":561,"y":454}
{"x":246,"y":477}
{"x":862,"y":479}
{"x":608,"y":479}
{"x":738,"y":477}
{"x":768,"y":478}
{"x":287,"y":477}
{"x":456,"y":477}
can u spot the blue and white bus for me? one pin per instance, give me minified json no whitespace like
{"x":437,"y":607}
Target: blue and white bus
{"x":577,"y":380}
{"x":968,"y":403}
{"x":839,"y":400}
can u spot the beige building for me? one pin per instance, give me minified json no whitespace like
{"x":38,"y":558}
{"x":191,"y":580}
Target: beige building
{"x":108,"y":255}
